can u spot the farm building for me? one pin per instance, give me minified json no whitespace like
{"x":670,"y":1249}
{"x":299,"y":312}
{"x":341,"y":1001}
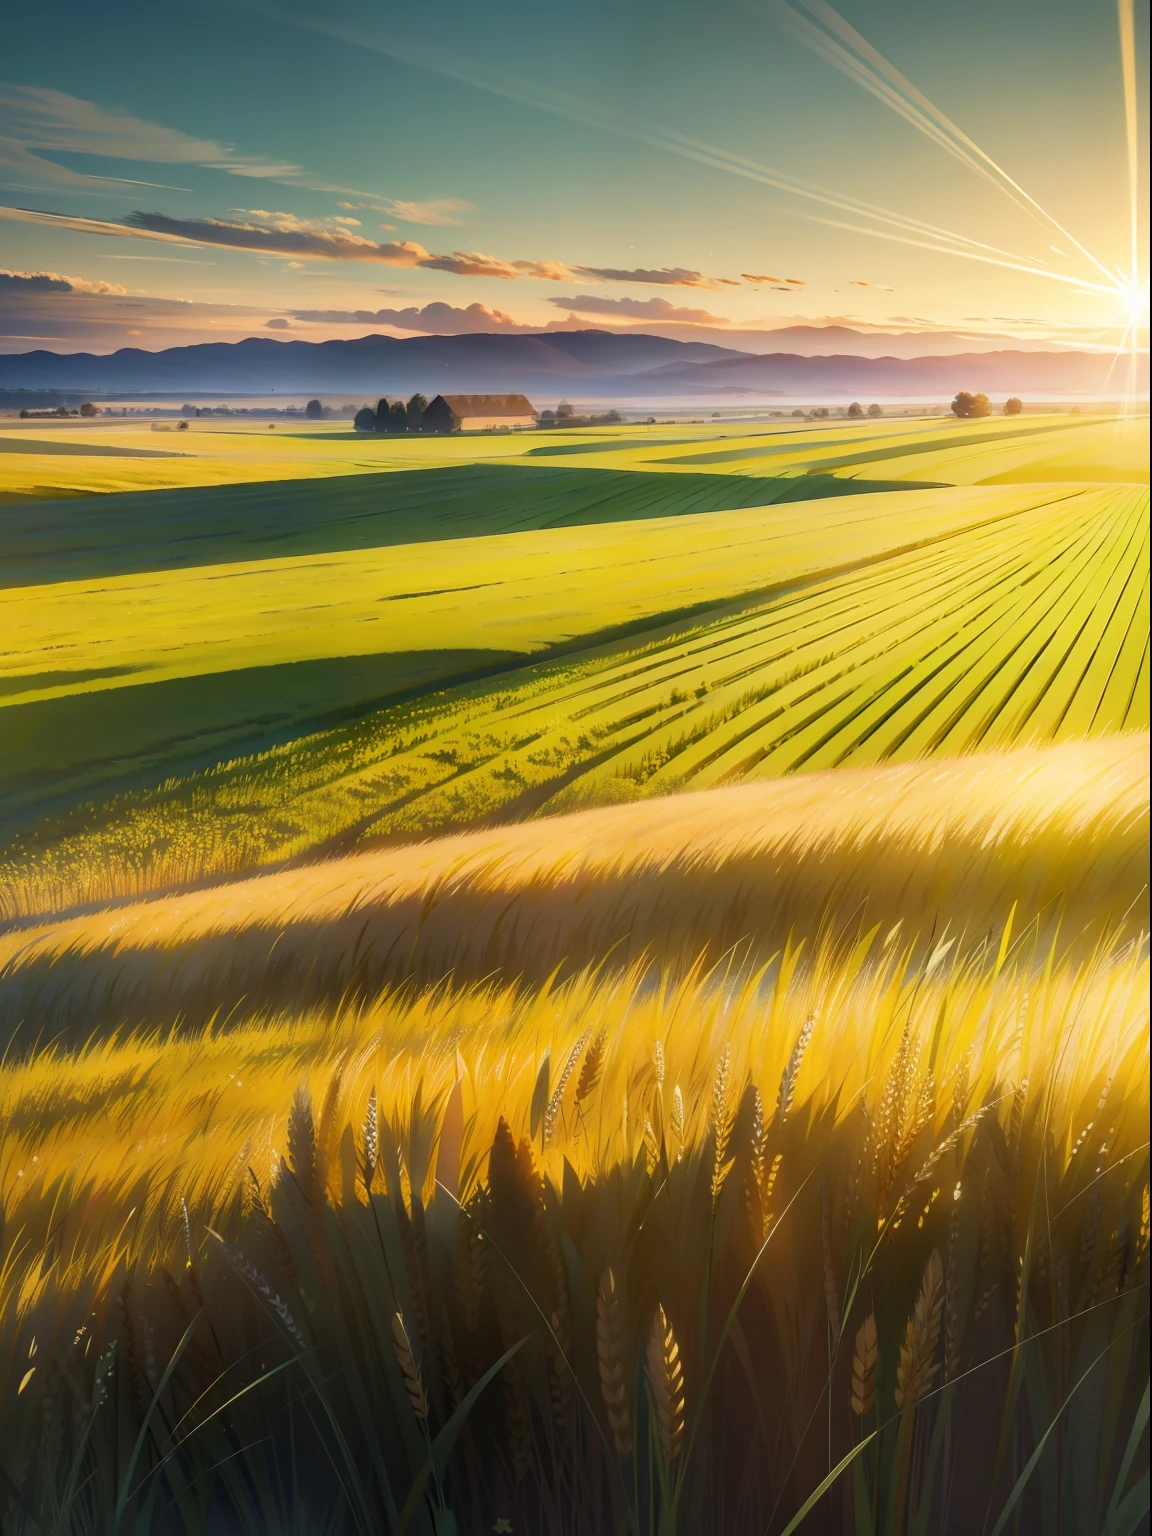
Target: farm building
{"x":477,"y":413}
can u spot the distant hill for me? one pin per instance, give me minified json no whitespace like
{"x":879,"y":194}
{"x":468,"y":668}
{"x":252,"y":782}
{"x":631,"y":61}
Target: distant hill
{"x":588,"y":363}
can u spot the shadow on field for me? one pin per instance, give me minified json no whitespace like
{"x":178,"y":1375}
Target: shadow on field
{"x":99,"y":536}
{"x":57,"y":749}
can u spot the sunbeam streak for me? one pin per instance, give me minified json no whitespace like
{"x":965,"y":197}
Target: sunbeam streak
{"x":856,"y":57}
{"x":901,"y":229}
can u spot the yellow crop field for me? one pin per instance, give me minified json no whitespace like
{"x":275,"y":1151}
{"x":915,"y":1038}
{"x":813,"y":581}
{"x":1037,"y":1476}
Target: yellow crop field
{"x":1028,"y":624}
{"x":580,"y":982}
{"x":793,"y":1159}
{"x":1058,"y":831}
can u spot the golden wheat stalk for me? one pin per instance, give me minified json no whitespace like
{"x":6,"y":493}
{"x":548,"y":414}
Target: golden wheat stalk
{"x":787,"y":1090}
{"x":864,"y":1358}
{"x":610,"y":1360}
{"x":552,"y":1112}
{"x":592,"y":1067}
{"x":370,"y":1143}
{"x":302,"y":1142}
{"x":409,"y":1367}
{"x":758,"y":1139}
{"x":666,"y":1379}
{"x":721,"y":1122}
{"x":917,"y":1364}
{"x":678,"y":1120}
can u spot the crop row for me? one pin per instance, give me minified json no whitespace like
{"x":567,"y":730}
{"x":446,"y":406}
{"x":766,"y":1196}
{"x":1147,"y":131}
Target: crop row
{"x":1030,"y":628}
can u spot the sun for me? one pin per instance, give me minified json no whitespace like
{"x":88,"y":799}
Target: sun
{"x":1133,"y":297}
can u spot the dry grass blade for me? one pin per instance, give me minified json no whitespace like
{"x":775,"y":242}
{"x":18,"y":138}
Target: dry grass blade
{"x":917,"y":1364}
{"x":666,"y":1379}
{"x":610,"y":1361}
{"x":864,"y":1358}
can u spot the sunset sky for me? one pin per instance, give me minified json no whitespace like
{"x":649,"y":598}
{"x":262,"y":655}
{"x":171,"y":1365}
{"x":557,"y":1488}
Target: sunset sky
{"x":182,"y":173}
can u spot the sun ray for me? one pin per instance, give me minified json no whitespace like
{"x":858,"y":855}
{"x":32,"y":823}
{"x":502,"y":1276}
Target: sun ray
{"x":859,"y":59}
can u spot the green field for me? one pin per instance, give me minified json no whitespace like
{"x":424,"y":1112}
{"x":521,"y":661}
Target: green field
{"x":204,"y":679}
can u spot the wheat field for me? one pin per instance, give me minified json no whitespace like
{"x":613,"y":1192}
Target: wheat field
{"x":891,"y":1155}
{"x":691,"y":1083}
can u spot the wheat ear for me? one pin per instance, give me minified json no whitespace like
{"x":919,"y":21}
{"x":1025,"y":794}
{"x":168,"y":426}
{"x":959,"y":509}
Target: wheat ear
{"x":302,"y":1142}
{"x":666,"y":1378}
{"x":552,"y":1112}
{"x":787,"y":1089}
{"x":864,"y":1359}
{"x":917,"y":1364}
{"x":721,"y":1123}
{"x":592,"y":1067}
{"x":610,"y":1358}
{"x":370,"y":1144}
{"x":409,"y":1368}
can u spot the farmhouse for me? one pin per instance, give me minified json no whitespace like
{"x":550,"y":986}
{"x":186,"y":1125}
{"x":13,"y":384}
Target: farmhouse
{"x":477,"y":413}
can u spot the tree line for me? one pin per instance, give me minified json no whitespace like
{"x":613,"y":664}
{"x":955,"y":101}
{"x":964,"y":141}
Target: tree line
{"x":392,"y":416}
{"x":967,"y":405}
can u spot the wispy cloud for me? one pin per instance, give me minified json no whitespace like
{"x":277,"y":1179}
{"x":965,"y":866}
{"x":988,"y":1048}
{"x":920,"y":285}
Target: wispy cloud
{"x":38,"y":118}
{"x":674,"y":277}
{"x":286,"y":234}
{"x":638,"y":309}
{"x":53,"y":282}
{"x":431,"y":319}
{"x":442,"y":211}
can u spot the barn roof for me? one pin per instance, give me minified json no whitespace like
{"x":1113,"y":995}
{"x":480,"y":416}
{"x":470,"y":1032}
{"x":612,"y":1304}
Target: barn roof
{"x":489,"y":405}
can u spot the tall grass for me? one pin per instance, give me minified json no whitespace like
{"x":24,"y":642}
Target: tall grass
{"x":950,"y":848}
{"x":860,"y":1204}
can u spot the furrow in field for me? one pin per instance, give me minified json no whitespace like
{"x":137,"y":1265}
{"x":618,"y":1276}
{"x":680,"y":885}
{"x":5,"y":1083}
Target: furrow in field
{"x":902,"y":624}
{"x":935,"y":711}
{"x":1083,"y":634}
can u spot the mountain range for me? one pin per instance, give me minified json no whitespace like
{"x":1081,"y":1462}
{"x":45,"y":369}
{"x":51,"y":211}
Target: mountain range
{"x":589,"y":364}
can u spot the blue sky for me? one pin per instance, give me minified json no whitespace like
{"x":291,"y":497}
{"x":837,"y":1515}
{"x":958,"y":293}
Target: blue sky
{"x":260,"y":169}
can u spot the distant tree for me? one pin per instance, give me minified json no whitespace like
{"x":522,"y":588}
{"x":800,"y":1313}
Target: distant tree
{"x":546,"y":419}
{"x":966,"y":405}
{"x":397,"y":420}
{"x":799,"y":413}
{"x":875,"y":411}
{"x":182,"y":426}
{"x":1075,"y":411}
{"x":415,"y":411}
{"x":855,"y":410}
{"x":1013,"y":407}
{"x":382,"y":415}
{"x":314,"y":411}
{"x":88,"y":409}
{"x":564,"y":411}
{"x":365,"y":419}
